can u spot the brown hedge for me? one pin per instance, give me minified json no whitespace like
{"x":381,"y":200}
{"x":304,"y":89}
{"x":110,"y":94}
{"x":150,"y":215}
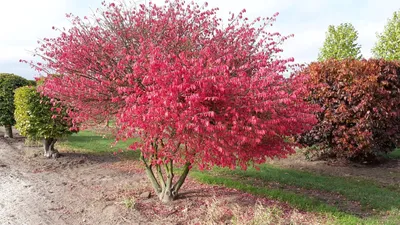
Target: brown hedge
{"x":360,"y":102}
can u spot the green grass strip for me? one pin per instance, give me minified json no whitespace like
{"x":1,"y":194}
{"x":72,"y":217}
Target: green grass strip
{"x":299,"y":201}
{"x":370,"y":195}
{"x":395,"y":154}
{"x":90,"y":142}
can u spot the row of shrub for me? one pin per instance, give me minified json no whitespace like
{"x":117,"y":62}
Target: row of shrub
{"x":8,"y":83}
{"x":359,"y":120}
{"x":35,"y":116}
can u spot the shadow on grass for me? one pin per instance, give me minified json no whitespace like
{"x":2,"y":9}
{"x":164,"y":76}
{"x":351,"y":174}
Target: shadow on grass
{"x":90,"y":143}
{"x":95,"y":158}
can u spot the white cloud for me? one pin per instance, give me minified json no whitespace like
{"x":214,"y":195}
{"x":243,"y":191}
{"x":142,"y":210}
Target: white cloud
{"x":13,"y":53}
{"x":23,"y":22}
{"x":367,"y":36}
{"x":304,"y":46}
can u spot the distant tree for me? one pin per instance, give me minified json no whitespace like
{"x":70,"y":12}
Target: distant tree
{"x":37,"y":118}
{"x":388,"y":44}
{"x":8,"y":83}
{"x":340,"y":43}
{"x":32,"y":82}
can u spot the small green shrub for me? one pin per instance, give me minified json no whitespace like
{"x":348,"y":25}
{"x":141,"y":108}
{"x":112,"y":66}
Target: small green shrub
{"x":38,"y":118}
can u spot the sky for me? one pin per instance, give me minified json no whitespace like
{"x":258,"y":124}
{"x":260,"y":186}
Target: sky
{"x":24,"y":22}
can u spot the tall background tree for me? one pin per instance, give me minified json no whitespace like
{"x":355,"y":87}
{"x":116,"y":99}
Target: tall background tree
{"x":388,"y":43}
{"x":340,"y":43}
{"x":197,"y":93}
{"x":8,"y":83}
{"x":37,"y":118}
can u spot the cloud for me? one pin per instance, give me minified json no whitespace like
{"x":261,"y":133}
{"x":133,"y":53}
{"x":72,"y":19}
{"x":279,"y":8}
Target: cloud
{"x":18,"y":68}
{"x":26,"y":21}
{"x":304,"y":46}
{"x":23,"y":22}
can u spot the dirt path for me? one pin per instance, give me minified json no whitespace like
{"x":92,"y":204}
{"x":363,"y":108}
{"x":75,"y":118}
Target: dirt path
{"x":15,"y":186}
{"x":69,"y":190}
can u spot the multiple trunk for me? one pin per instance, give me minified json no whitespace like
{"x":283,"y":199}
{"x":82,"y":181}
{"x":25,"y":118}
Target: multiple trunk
{"x":49,"y":150}
{"x":163,"y":185}
{"x":8,"y":131}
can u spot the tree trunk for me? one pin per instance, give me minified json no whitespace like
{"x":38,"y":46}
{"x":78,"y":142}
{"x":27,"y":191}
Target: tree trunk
{"x":107,"y":123}
{"x":8,"y":131}
{"x":182,"y":178}
{"x":169,"y":191}
{"x":164,"y":188}
{"x":49,"y":150}
{"x":166,"y":196}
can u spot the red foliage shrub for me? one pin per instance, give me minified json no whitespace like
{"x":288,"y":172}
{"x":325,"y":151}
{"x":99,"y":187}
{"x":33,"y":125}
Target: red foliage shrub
{"x":360,"y":103}
{"x":196,"y":93}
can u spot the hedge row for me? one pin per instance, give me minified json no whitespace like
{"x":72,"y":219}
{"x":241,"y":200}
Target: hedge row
{"x":360,"y":102}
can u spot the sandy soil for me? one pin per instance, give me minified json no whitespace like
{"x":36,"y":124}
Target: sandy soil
{"x":87,"y":189}
{"x":69,"y":190}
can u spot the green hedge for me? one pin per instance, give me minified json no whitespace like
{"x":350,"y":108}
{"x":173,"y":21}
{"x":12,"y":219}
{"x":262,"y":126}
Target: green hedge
{"x":8,"y":83}
{"x":36,"y":116}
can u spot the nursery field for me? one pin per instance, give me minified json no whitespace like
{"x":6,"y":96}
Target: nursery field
{"x":172,"y":113}
{"x":95,"y":182}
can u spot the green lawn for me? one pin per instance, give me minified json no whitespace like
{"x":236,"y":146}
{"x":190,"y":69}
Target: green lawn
{"x":371,"y":197}
{"x":368,"y":194}
{"x":90,"y":142}
{"x":395,"y":154}
{"x":382,"y":204}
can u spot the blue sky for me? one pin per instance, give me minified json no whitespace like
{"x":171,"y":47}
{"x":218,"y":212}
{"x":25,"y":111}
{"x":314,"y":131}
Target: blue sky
{"x":23,"y":22}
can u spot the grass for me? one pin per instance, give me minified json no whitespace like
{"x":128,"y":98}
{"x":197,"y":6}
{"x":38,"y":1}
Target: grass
{"x":299,"y":201}
{"x":384,"y":201}
{"x":129,"y":202}
{"x":90,"y":142}
{"x":395,"y":154}
{"x":370,"y":195}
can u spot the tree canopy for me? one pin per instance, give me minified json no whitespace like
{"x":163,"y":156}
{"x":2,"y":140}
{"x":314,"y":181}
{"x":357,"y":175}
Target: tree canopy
{"x":388,"y":43}
{"x":340,"y":43}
